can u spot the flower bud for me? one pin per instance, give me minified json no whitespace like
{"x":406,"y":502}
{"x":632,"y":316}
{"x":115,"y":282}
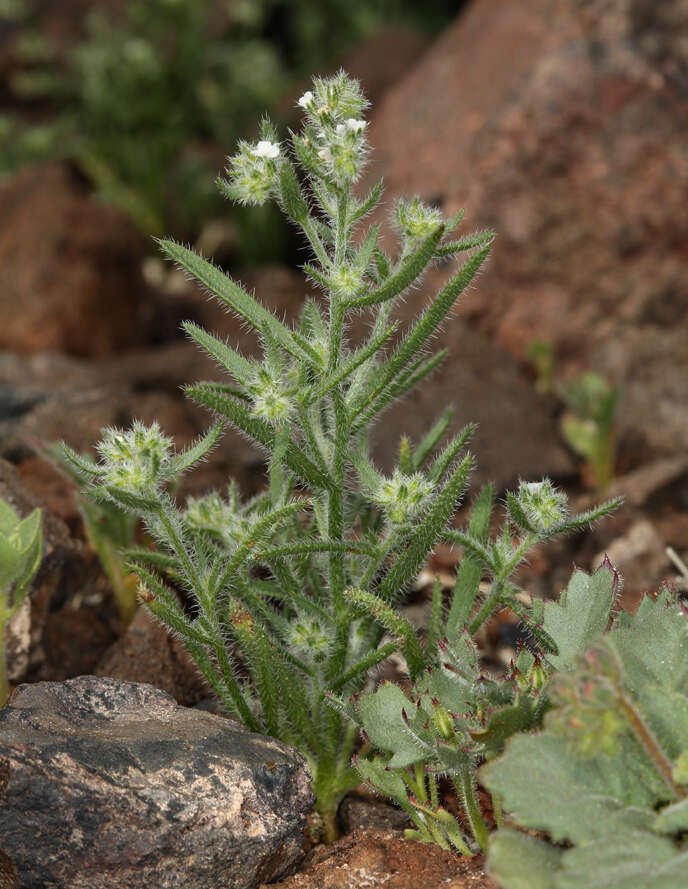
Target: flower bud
{"x":543,"y":504}
{"x":443,"y":721}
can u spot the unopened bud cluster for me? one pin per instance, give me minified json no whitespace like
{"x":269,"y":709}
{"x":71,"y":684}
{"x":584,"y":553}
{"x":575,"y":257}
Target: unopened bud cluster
{"x":545,"y":506}
{"x":403,"y":497}
{"x":137,"y":460}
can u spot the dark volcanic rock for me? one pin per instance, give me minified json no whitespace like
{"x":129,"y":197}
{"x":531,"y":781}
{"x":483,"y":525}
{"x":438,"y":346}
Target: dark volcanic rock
{"x":111,"y":785}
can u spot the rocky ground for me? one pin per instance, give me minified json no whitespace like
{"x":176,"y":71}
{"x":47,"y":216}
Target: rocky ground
{"x":559,"y":123}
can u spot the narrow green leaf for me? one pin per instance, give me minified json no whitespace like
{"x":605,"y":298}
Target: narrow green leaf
{"x":446,"y":458}
{"x":429,"y":442}
{"x":472,"y":241}
{"x":230,"y":360}
{"x":410,"y":269}
{"x":368,"y":205}
{"x":354,"y":361}
{"x":471,"y":567}
{"x":393,"y":622}
{"x":259,"y":431}
{"x":293,"y":201}
{"x":222,"y":286}
{"x":188,"y":458}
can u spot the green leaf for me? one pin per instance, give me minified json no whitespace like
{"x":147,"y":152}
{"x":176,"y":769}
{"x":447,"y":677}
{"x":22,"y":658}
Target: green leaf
{"x":546,"y":788}
{"x":393,"y":622}
{"x":471,"y":566}
{"x":410,"y":269}
{"x":188,"y":458}
{"x":586,"y":611}
{"x":293,"y":201}
{"x":430,"y":440}
{"x":222,"y":286}
{"x":9,"y":519}
{"x":383,"y":721}
{"x":673,"y":818}
{"x":434,"y":315}
{"x":260,"y":431}
{"x":241,"y":369}
{"x":518,"y":861}
{"x":477,"y":240}
{"x":350,"y":364}
{"x":630,"y":859}
{"x":82,"y":469}
{"x":366,"y":206}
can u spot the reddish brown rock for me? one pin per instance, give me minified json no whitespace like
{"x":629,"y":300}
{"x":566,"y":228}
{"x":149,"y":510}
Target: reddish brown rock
{"x":562,"y":124}
{"x":148,"y":653}
{"x":71,"y":264}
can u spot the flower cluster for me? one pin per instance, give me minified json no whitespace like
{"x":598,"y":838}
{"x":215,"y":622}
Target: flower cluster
{"x":137,"y":460}
{"x":544,"y":506}
{"x":403,"y":497}
{"x":415,"y":221}
{"x":254,"y":170}
{"x":220,"y":517}
{"x":271,"y":399}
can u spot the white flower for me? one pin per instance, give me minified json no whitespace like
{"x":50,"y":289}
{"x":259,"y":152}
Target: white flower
{"x":341,"y":129}
{"x":356,"y":126}
{"x":325,"y":154}
{"x":306,"y":99}
{"x":267,"y":149}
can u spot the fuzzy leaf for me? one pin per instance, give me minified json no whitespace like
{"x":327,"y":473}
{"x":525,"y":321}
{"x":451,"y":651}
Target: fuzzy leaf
{"x":471,"y":566}
{"x":587,"y":607}
{"x":241,"y":369}
{"x":222,"y":286}
{"x":518,"y":861}
{"x":383,"y":721}
{"x":410,"y":269}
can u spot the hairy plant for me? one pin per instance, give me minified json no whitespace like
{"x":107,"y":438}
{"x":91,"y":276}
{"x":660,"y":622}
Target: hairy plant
{"x":293,"y":590}
{"x":607,"y":778}
{"x":456,"y":715}
{"x":111,"y":531}
{"x":21,"y":547}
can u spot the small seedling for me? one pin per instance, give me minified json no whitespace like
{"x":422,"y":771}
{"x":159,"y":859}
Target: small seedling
{"x":21,"y":547}
{"x":588,"y":424}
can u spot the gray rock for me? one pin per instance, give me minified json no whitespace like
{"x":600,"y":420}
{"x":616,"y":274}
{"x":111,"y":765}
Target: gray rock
{"x":111,"y":784}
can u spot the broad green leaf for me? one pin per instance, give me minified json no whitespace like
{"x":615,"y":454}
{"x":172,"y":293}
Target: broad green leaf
{"x":582,"y":618}
{"x":382,"y":719}
{"x":673,"y":818}
{"x":628,"y":859}
{"x":547,"y":788}
{"x":518,"y":861}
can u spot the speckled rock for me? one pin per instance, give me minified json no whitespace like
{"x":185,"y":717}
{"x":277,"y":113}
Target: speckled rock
{"x":111,"y":784}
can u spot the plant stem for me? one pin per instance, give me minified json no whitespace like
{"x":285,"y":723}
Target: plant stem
{"x":465,"y":785}
{"x":650,"y":744}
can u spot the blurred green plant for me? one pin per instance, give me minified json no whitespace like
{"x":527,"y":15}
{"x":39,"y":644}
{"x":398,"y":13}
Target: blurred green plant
{"x":21,"y":546}
{"x":588,"y":424}
{"x":143,"y":100}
